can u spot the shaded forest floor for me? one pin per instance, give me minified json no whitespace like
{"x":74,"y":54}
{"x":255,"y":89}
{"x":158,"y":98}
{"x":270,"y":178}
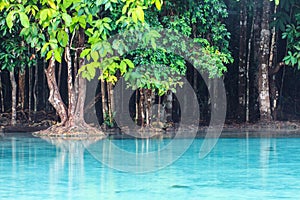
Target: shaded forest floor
{"x":42,"y":120}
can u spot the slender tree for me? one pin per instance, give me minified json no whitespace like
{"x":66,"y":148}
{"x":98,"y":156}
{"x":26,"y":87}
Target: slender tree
{"x":263,"y":73}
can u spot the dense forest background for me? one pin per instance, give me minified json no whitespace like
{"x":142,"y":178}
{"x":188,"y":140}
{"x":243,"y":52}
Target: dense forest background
{"x":255,"y":45}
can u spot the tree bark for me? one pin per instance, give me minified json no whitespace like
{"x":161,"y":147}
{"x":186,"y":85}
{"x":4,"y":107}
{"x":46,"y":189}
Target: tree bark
{"x":104,"y":104}
{"x":109,"y":102}
{"x":248,"y":72}
{"x":263,"y":79}
{"x":1,"y":93}
{"x":13,"y":98}
{"x":54,"y":95}
{"x":21,"y":84}
{"x":169,"y":106}
{"x":273,"y":89}
{"x":29,"y":93}
{"x":80,"y":83}
{"x":71,"y":90}
{"x":148,"y":98}
{"x":242,"y":62}
{"x":35,"y":89}
{"x":141,"y":108}
{"x":136,"y":106}
{"x":158,"y":109}
{"x":253,"y":100}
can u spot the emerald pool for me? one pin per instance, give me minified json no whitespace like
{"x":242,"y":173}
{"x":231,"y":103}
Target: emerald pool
{"x":237,"y":168}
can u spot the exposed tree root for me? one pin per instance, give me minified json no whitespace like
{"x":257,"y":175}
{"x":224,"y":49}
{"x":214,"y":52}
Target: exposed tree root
{"x":82,"y":130}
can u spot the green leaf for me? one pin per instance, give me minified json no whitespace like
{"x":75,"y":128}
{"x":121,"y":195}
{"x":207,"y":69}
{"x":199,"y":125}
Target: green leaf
{"x":158,"y":4}
{"x":10,"y":18}
{"x":124,"y":9}
{"x":67,"y":18}
{"x":123,"y":67}
{"x":134,"y":17}
{"x":95,"y":55}
{"x":140,"y":13}
{"x":44,"y":49}
{"x":24,"y":19}
{"x":129,"y":63}
{"x":62,"y":38}
{"x":43,"y":15}
{"x":67,"y":3}
{"x":82,"y":21}
{"x":85,"y":52}
{"x":52,"y":4}
{"x":107,"y":19}
{"x":49,"y":54}
{"x":57,"y":55}
{"x":107,"y":26}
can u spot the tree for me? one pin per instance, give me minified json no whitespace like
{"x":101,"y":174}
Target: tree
{"x":263,"y":73}
{"x":14,"y":56}
{"x":55,"y":29}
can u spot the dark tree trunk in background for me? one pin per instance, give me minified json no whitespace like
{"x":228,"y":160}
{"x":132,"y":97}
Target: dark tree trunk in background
{"x":21,"y":84}
{"x":104,"y":102}
{"x":248,"y":71}
{"x":13,"y":98}
{"x":253,"y":67}
{"x":29,"y":93}
{"x":1,"y":93}
{"x":272,"y":77}
{"x":35,"y":90}
{"x":169,"y":106}
{"x":141,"y":107}
{"x":263,"y":73}
{"x":242,"y":62}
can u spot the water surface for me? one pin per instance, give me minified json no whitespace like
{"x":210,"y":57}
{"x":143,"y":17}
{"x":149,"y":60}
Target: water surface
{"x":254,"y":168}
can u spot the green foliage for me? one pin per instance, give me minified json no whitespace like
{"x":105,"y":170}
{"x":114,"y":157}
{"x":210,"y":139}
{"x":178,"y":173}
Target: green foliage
{"x":109,"y":120}
{"x":13,"y":51}
{"x":50,"y":27}
{"x":157,"y":70}
{"x":292,"y":35}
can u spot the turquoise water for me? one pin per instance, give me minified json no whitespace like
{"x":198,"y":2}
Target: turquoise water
{"x":266,"y":168}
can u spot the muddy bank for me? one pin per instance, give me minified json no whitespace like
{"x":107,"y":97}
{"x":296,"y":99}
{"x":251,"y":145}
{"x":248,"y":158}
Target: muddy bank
{"x":273,"y":129}
{"x":41,"y":121}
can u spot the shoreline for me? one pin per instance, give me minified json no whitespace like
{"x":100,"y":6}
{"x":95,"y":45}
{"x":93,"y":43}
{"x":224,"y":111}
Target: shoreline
{"x":256,"y":130}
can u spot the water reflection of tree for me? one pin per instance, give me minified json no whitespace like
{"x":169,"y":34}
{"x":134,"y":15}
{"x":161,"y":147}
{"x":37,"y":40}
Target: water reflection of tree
{"x":68,"y":166}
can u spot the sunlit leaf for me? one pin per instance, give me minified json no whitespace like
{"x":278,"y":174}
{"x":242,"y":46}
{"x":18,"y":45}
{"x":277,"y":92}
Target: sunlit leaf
{"x":10,"y":18}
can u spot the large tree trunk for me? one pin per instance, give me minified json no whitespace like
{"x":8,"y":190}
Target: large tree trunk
{"x":13,"y":98}
{"x":71,"y":89}
{"x":72,"y":118}
{"x":248,"y":72}
{"x":253,"y":68}
{"x":273,"y":89}
{"x":54,"y":95}
{"x":80,"y":83}
{"x":242,"y":62}
{"x":263,"y":79}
